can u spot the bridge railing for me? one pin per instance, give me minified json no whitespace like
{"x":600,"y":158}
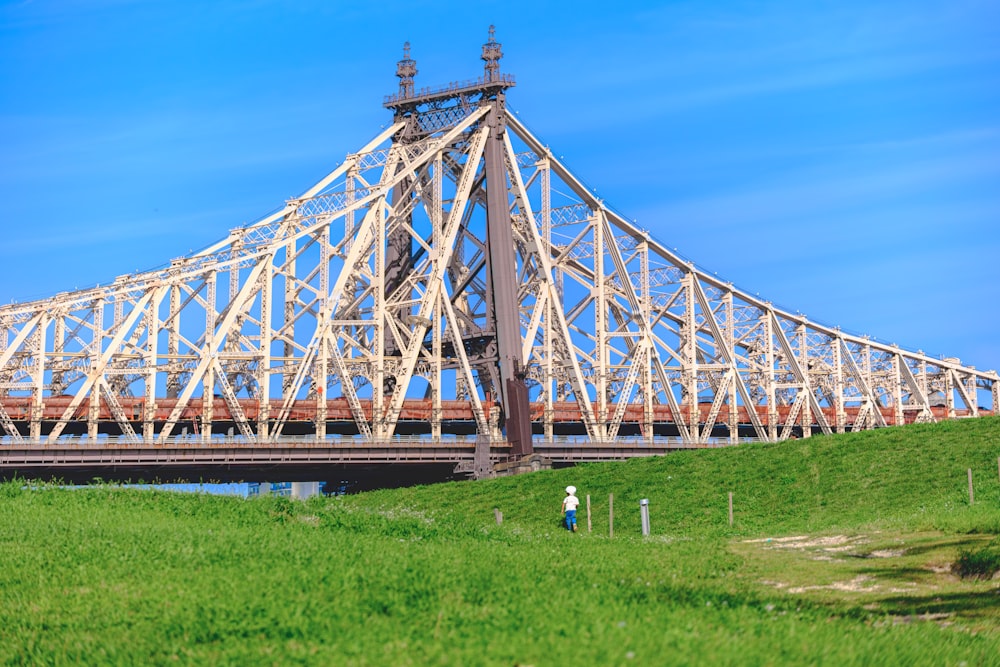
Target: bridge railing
{"x":637,"y":442}
{"x":196,"y":441}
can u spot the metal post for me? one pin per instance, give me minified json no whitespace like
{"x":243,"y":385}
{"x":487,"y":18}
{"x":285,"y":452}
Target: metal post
{"x":644,"y":511}
{"x":611,"y":515}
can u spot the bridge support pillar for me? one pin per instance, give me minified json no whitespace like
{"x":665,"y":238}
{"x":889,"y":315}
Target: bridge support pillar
{"x":304,"y":490}
{"x":529,"y":463}
{"x":482,"y":467}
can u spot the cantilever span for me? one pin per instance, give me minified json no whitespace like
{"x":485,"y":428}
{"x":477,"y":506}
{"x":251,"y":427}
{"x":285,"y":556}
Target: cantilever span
{"x":451,"y":277}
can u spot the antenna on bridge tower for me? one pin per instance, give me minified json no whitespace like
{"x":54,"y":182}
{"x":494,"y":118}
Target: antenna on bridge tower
{"x":492,"y":54}
{"x":406,"y":69}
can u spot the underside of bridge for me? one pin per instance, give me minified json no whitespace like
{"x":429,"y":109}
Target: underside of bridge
{"x":450,"y":278}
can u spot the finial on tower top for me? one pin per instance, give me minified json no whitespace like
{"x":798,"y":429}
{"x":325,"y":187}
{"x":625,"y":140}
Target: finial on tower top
{"x":492,"y":55}
{"x":406,"y":69}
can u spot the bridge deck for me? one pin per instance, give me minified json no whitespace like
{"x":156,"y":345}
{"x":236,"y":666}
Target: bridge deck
{"x":296,"y":457}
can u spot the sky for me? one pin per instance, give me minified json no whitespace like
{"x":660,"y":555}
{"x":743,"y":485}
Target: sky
{"x":841,"y":159}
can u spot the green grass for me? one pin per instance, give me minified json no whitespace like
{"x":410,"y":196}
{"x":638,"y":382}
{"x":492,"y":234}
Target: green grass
{"x":841,"y":552}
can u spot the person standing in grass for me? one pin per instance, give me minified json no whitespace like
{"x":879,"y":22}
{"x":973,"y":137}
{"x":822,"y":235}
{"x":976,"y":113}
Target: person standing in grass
{"x":569,"y":505}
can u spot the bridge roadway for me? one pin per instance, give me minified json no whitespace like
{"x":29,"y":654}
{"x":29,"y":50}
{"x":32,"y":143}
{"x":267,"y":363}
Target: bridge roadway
{"x":292,"y":458}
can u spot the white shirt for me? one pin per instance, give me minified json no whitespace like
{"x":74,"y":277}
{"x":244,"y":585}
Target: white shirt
{"x":571,"y":502}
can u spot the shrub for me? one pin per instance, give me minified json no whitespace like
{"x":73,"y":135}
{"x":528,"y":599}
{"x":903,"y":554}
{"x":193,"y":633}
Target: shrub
{"x":981,"y":563}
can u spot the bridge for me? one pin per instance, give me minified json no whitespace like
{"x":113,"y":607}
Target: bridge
{"x":450,"y":294}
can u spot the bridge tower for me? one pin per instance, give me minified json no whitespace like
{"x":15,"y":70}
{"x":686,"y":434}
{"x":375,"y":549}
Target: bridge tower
{"x":496,"y":354}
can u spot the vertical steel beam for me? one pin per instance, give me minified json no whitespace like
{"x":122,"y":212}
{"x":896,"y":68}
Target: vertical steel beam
{"x":349,"y":193}
{"x":949,"y":391}
{"x":689,"y":344}
{"x":97,"y":351}
{"x":437,"y":224}
{"x":56,"y":382}
{"x":646,"y":312}
{"x":866,"y":379}
{"x":379,"y":315}
{"x":263,"y":353}
{"x":149,"y":362}
{"x":502,"y":286}
{"x":288,"y":322}
{"x":770,"y":381}
{"x":173,"y":342}
{"x":599,"y":296}
{"x":807,"y":414}
{"x":839,"y":410}
{"x":897,"y":389}
{"x":321,"y":370}
{"x":549,"y":386}
{"x":210,"y":346}
{"x":925,"y":385}
{"x":38,"y":379}
{"x":729,"y":331}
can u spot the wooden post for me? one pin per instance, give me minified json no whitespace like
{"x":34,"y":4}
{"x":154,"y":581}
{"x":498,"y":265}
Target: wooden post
{"x":611,"y":515}
{"x":588,"y":512}
{"x":499,"y":515}
{"x":972,"y":499}
{"x":730,"y":508}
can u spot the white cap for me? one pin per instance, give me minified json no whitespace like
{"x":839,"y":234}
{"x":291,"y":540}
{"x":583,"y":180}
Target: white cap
{"x":570,"y":489}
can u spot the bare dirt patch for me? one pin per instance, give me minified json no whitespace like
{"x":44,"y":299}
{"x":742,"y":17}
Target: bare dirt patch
{"x":886,"y":553}
{"x":859,"y":584}
{"x":833,"y":549}
{"x":824,"y":547}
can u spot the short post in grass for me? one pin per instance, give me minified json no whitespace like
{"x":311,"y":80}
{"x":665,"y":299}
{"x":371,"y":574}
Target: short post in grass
{"x":730,"y":508}
{"x":611,"y":515}
{"x":588,"y":512}
{"x":644,"y":514}
{"x":972,"y":499}
{"x":498,"y":515}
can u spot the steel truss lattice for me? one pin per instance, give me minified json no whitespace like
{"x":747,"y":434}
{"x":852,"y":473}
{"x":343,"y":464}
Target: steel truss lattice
{"x":367,"y":305}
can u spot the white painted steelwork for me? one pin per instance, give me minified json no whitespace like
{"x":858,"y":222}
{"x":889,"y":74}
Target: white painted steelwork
{"x":298,"y":309}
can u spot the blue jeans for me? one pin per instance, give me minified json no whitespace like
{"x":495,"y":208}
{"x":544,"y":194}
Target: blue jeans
{"x":570,"y":519}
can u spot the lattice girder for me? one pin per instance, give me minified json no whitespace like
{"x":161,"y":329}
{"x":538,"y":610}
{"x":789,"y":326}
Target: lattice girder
{"x":273,"y":325}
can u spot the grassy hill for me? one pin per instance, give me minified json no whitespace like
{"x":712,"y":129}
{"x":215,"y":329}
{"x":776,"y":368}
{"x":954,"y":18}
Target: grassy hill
{"x":841,"y":552}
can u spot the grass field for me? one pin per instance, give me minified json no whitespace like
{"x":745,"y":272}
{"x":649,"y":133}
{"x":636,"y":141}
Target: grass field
{"x":841,"y":553}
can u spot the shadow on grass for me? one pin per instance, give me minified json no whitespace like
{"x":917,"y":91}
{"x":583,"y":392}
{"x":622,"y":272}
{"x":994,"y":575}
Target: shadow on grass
{"x":956,"y":542}
{"x":905,"y":574}
{"x":968,"y":604}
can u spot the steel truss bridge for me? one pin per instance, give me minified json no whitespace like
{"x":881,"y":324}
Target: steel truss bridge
{"x":451,"y":292}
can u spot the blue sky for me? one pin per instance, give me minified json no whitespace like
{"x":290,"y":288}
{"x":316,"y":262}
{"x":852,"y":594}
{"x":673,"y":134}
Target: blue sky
{"x":840,"y":158}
